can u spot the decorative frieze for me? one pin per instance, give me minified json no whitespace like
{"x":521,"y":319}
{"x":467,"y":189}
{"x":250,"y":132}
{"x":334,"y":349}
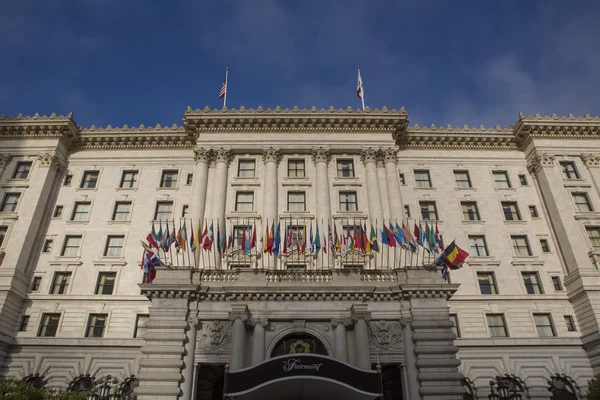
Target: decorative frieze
{"x":214,"y":335}
{"x":271,"y":154}
{"x":385,"y":335}
{"x":540,"y":160}
{"x":321,"y":154}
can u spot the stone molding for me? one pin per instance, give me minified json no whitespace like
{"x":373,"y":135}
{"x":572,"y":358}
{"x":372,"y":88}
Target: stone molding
{"x":157,"y":290}
{"x":223,"y":154}
{"x":369,"y":154}
{"x":203,"y":154}
{"x":441,"y":291}
{"x":555,"y":127}
{"x":299,"y":296}
{"x":321,"y":154}
{"x":591,"y":160}
{"x":540,"y":160}
{"x":271,"y":154}
{"x":432,"y":137}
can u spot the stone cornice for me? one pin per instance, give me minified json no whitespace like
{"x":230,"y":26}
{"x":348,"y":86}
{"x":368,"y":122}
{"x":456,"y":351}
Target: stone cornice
{"x":135,"y":138}
{"x":40,"y":127}
{"x":432,"y":137}
{"x":555,"y":127}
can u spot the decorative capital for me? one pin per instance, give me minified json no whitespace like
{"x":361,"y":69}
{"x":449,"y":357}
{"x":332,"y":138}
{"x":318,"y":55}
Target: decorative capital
{"x":321,"y":154}
{"x":4,"y":160}
{"x":390,"y":154}
{"x":48,"y":159}
{"x":223,"y":154}
{"x":203,"y":154}
{"x":259,"y":321}
{"x":540,"y":160}
{"x":271,"y":154}
{"x":404,"y":321}
{"x":193,"y":321}
{"x":595,"y":258}
{"x":239,"y":312}
{"x":591,"y":160}
{"x":369,"y":154}
{"x":358,"y":312}
{"x":346,"y":322}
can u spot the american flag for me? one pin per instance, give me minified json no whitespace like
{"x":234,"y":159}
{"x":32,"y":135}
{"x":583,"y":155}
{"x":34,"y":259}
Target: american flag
{"x":223,"y":90}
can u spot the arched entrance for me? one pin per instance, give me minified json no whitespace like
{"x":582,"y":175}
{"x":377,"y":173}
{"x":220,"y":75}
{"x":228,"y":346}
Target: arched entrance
{"x":299,"y":344}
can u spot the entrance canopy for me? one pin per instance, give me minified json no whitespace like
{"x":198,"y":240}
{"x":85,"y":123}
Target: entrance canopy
{"x":303,"y":376}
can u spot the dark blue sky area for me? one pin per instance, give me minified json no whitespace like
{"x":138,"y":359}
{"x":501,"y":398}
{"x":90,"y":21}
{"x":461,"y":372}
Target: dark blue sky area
{"x":448,"y":62}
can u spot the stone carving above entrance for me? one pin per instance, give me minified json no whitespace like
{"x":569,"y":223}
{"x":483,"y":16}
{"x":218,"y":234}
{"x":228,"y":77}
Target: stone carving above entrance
{"x":214,"y":335}
{"x":385,"y":334}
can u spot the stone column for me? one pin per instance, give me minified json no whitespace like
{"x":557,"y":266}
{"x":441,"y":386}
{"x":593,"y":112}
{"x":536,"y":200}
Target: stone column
{"x":393,"y":184}
{"x":341,"y":342}
{"x":321,"y":157}
{"x":202,"y":157}
{"x":187,"y":386}
{"x":369,"y":158}
{"x":271,"y":157}
{"x":360,"y":316}
{"x":410,"y":369}
{"x":258,"y":340}
{"x":219,"y":192}
{"x":238,"y":316}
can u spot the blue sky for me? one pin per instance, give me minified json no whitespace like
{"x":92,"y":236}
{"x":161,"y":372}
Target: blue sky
{"x":447,"y":62}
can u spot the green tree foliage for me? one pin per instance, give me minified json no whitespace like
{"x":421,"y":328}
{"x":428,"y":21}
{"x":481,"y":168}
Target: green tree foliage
{"x":594,"y":388}
{"x":12,"y":389}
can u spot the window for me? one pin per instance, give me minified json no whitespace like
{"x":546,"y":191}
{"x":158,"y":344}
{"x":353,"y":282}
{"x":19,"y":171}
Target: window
{"x":68,"y":179}
{"x":9,"y":204}
{"x":246,"y":168}
{"x":523,"y":179}
{"x":296,"y":168}
{"x":185,"y":210}
{"x":428,"y":210}
{"x":557,"y":283}
{"x":402,"y":179}
{"x":140,"y":325}
{"x":169,"y":178}
{"x":96,"y":325}
{"x":532,"y":283}
{"x":520,"y":246}
{"x":129,"y":179}
{"x":298,"y":235}
{"x":296,"y":201}
{"x":545,"y":245}
{"x":582,"y":202}
{"x":348,"y":201}
{"x":570,"y":321}
{"x":487,"y":283}
{"x":60,"y":284}
{"x":455,"y":328}
{"x":71,"y":246}
{"x":90,"y":179}
{"x":81,"y":211}
{"x":106,"y":283}
{"x":164,"y":210}
{"x":3,"y":230}
{"x":190,"y":178}
{"x":24,"y":323}
{"x":533,"y":211}
{"x":345,"y":168}
{"x":57,"y":212}
{"x":114,"y":246}
{"x":407,"y":211}
{"x":478,"y":246}
{"x":462,"y":179}
{"x":568,"y":170}
{"x":35,"y":283}
{"x":244,"y":201}
{"x":594,"y":235}
{"x":470,"y":211}
{"x":501,"y":180}
{"x":49,"y":325}
{"x":47,"y":248}
{"x":239,"y":232}
{"x":497,"y":325}
{"x":543,"y":324}
{"x":22,"y":170}
{"x":122,"y":211}
{"x":511,"y":211}
{"x":422,"y":178}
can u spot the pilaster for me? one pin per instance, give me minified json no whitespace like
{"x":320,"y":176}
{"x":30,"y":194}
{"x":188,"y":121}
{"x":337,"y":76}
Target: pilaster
{"x":341,"y":339}
{"x":271,"y":157}
{"x":258,"y":339}
{"x":390,"y":157}
{"x":202,"y":157}
{"x":238,"y":317}
{"x":369,"y":157}
{"x":361,"y":316}
{"x":223,"y":158}
{"x":321,"y":157}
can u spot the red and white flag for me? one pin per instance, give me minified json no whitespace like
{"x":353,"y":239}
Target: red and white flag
{"x":223,"y":90}
{"x":360,"y":90}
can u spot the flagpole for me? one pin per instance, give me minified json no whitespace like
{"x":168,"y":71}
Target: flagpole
{"x":362,"y":92}
{"x":226,"y":78}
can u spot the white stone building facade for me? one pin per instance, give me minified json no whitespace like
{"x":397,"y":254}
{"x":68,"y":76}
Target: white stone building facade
{"x":524,"y":309}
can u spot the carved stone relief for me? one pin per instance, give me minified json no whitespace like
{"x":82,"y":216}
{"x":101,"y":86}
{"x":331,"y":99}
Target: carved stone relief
{"x":385,"y":334}
{"x":540,"y":160}
{"x":214,"y":335}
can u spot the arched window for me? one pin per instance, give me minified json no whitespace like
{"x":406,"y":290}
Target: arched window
{"x":100,"y":389}
{"x":297,"y":344}
{"x":82,"y":384}
{"x":508,"y":387}
{"x":470,"y":391}
{"x":35,"y":381}
{"x":563,"y":388}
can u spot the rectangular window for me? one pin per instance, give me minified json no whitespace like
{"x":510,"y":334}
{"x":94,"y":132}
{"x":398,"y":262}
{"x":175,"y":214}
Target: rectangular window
{"x":164,"y":210}
{"x":462,"y":179}
{"x":71,"y":246}
{"x":24,"y":323}
{"x":582,"y":202}
{"x":428,"y":210}
{"x":570,"y":321}
{"x":594,"y":235}
{"x":523,"y":179}
{"x":296,"y":168}
{"x":470,"y":211}
{"x":296,"y":201}
{"x":298,"y":235}
{"x":455,"y":328}
{"x":487,"y":283}
{"x":345,"y":168}
{"x":129,"y":179}
{"x":140,"y":325}
{"x":81,"y":211}
{"x":22,"y":170}
{"x":89,"y":180}
{"x":348,"y":201}
{"x":532,"y":283}
{"x":114,"y":246}
{"x":168,"y":178}
{"x":543,"y":324}
{"x":241,"y":231}
{"x":501,"y":180}
{"x":122,"y":211}
{"x":533,"y":211}
{"x":47,"y":248}
{"x":57,"y":212}
{"x":545,"y":245}
{"x":60,"y":284}
{"x":402,"y":179}
{"x":568,"y":170}
{"x":497,"y":325}
{"x":9,"y":204}
{"x":3,"y":230}
{"x":407,"y":211}
{"x":520,"y":246}
{"x":190,"y":178}
{"x":511,"y":211}
{"x":106,"y":283}
{"x":478,"y":246}
{"x":35,"y":283}
{"x":244,"y":201}
{"x":49,"y":325}
{"x":68,"y":179}
{"x":422,"y":178}
{"x":246,"y":168}
{"x":96,"y":325}
{"x":557,"y":284}
{"x":185,"y":210}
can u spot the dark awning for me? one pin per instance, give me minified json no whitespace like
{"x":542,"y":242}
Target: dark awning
{"x":303,"y":376}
